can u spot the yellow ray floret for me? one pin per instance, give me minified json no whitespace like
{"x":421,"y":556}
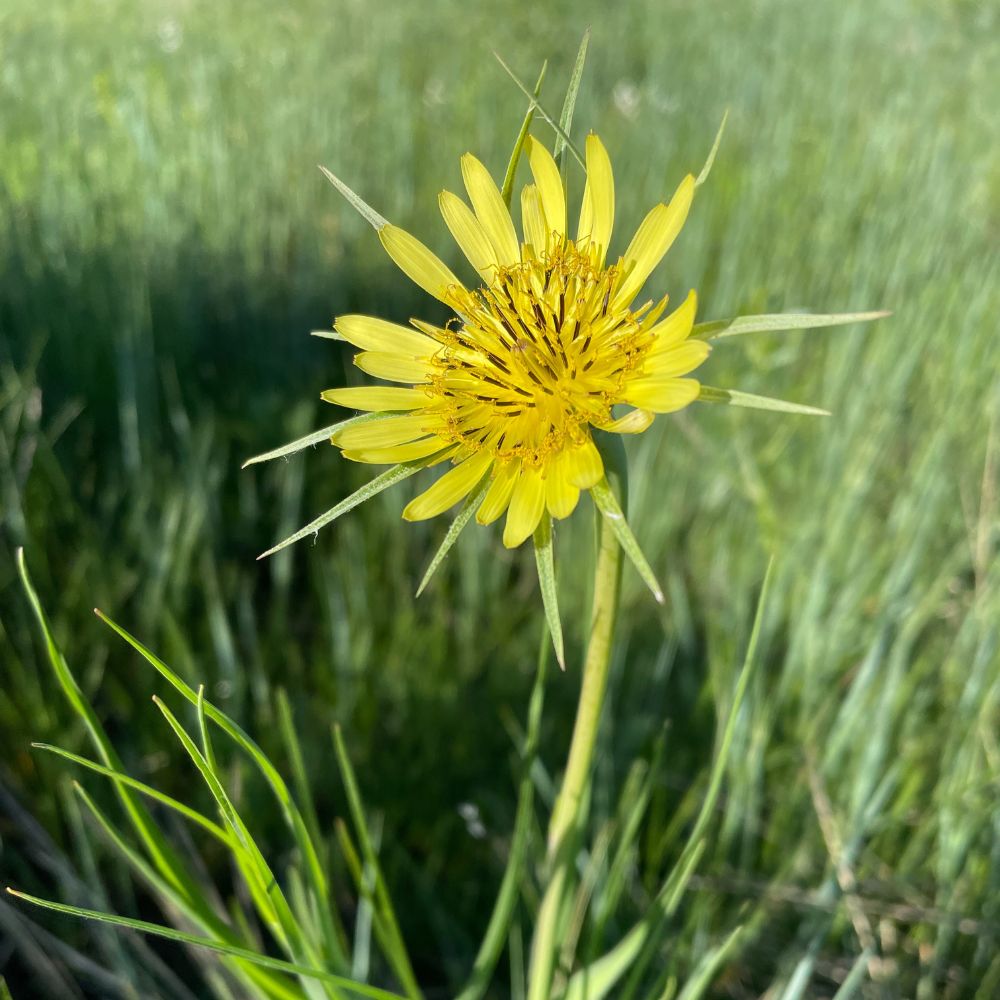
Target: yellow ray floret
{"x":546,"y":348}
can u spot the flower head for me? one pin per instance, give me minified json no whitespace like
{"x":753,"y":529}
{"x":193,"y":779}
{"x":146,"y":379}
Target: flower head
{"x":538,"y":354}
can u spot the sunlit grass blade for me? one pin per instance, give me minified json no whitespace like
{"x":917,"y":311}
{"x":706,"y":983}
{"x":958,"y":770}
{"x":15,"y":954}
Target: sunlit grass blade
{"x":154,"y":793}
{"x":251,"y":862}
{"x":357,"y":202}
{"x":170,"y":934}
{"x":159,"y":849}
{"x":372,"y":488}
{"x":710,"y":160}
{"x":463,"y":517}
{"x":711,"y":962}
{"x":333,"y":931}
{"x":205,"y":918}
{"x":855,"y":979}
{"x":607,"y":504}
{"x":235,"y":732}
{"x":719,"y":329}
{"x":547,"y":583}
{"x":313,"y":438}
{"x":515,"y":157}
{"x":503,"y":909}
{"x":569,"y":104}
{"x":560,"y":132}
{"x":396,"y":953}
{"x":733,"y":397}
{"x":669,"y":896}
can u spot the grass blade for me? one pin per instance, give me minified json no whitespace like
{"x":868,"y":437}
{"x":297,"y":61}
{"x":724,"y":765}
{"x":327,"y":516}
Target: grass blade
{"x":508,"y":181}
{"x":541,"y":110}
{"x":503,"y":909}
{"x":472,"y":502}
{"x":707,"y":168}
{"x":170,"y":934}
{"x":607,"y":504}
{"x":569,"y":104}
{"x":547,"y":582}
{"x":733,"y":397}
{"x":313,"y":438}
{"x":358,"y":203}
{"x":373,"y":487}
{"x":396,"y":954}
{"x":118,"y":776}
{"x":719,"y":329}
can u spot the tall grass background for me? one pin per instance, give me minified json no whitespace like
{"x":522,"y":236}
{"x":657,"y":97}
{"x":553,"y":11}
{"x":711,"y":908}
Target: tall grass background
{"x":166,"y":244}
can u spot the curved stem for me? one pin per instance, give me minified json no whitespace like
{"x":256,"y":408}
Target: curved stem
{"x":566,"y":814}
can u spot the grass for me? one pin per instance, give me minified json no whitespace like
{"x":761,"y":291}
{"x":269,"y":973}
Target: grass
{"x":166,"y":245}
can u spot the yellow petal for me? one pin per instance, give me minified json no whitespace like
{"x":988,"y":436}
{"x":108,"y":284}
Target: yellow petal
{"x":371,"y":334}
{"x":561,"y":495}
{"x":533,"y":219}
{"x":597,"y":212}
{"x":676,"y":327}
{"x":678,"y":360}
{"x":490,"y":209}
{"x":454,"y":485}
{"x":498,"y":495}
{"x":584,"y":467}
{"x":662,"y":395}
{"x":377,"y":397}
{"x":549,"y":184}
{"x":383,"y":433}
{"x":419,"y":264}
{"x":398,"y":453}
{"x":653,"y":239}
{"x":634,"y":422}
{"x":527,"y":504}
{"x":469,"y":234}
{"x":394,"y":367}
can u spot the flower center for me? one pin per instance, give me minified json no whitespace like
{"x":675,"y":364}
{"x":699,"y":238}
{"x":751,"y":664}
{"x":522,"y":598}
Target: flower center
{"x":536,"y":356}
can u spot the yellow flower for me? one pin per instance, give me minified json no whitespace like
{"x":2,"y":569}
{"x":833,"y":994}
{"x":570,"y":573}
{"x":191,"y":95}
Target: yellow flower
{"x":538,"y":354}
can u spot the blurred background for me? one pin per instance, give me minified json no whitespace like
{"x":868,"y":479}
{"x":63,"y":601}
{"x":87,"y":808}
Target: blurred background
{"x":166,"y":245}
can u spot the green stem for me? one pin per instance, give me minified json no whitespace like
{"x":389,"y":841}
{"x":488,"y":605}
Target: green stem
{"x":566,"y":814}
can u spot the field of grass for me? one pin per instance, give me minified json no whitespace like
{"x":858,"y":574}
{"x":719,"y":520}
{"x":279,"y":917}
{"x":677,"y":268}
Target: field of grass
{"x":167,"y":244}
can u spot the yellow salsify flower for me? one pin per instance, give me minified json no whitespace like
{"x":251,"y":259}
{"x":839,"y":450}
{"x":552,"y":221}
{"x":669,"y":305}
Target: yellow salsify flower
{"x":539,"y":353}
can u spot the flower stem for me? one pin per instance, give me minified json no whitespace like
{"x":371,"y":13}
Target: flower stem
{"x":566,"y":814}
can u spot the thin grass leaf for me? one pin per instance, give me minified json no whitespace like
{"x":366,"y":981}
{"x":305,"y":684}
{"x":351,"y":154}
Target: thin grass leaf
{"x":733,"y":397}
{"x":503,"y":909}
{"x":515,"y":157}
{"x":710,"y":964}
{"x":472,"y":502}
{"x":239,"y":736}
{"x":358,"y":203}
{"x":569,"y":104}
{"x":707,"y":168}
{"x":170,"y":934}
{"x":547,"y":583}
{"x":253,"y":977}
{"x":332,"y":928}
{"x":673,"y":889}
{"x":396,"y":954}
{"x":118,"y":776}
{"x":855,"y":979}
{"x":157,"y":846}
{"x":596,"y":980}
{"x":313,"y":438}
{"x":255,"y":869}
{"x":718,"y":329}
{"x":541,"y":110}
{"x":372,"y":488}
{"x":607,"y":504}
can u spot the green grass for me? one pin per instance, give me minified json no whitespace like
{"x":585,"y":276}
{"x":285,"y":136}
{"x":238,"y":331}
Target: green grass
{"x":166,"y":244}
